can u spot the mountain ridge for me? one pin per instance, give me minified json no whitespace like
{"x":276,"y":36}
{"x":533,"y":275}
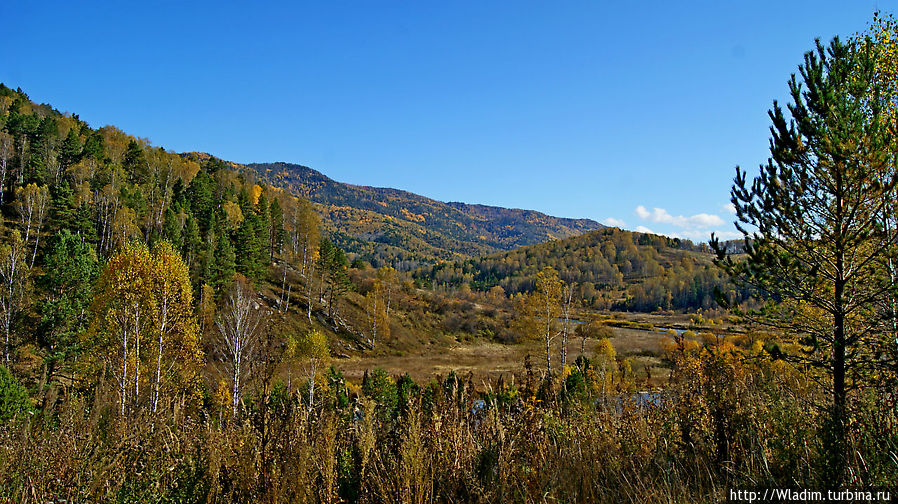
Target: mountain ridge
{"x":426,"y":229}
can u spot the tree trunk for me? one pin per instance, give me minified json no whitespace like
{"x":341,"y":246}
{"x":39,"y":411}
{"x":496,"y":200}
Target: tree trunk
{"x":283,"y":288}
{"x":124,"y":381}
{"x":236,"y":383}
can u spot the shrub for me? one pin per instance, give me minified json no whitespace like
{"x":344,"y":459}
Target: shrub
{"x":13,"y":398}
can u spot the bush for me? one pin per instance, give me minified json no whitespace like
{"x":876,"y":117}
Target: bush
{"x":13,"y":398}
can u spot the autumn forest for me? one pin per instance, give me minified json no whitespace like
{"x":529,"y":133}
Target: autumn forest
{"x":176,"y":327}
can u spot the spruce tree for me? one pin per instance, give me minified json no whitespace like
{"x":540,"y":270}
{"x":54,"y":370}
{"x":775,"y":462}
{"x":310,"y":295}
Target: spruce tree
{"x":222,"y":267}
{"x":276,"y":237}
{"x":71,"y":150}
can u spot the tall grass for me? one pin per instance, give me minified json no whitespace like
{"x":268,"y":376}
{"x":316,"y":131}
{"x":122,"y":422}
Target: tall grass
{"x":722,"y":423}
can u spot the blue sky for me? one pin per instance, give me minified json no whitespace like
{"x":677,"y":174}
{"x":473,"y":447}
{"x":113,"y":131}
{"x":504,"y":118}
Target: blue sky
{"x":630,"y":113}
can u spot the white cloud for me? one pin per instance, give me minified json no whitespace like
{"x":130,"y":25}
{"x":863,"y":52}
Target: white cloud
{"x":698,"y":236}
{"x":697,"y":221}
{"x":643,"y":229}
{"x":611,"y":221}
{"x":729,"y":208}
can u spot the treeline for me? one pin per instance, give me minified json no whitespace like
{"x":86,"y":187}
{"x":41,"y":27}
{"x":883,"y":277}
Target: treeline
{"x":72,"y":196}
{"x":57,"y":173}
{"x":609,"y":269}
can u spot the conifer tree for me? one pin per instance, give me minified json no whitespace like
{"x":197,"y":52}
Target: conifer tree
{"x":811,"y":223}
{"x":222,"y":267}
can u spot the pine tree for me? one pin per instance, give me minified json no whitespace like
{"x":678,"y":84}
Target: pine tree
{"x":250,"y":247}
{"x":811,"y":224}
{"x":70,"y":270}
{"x":191,"y":242}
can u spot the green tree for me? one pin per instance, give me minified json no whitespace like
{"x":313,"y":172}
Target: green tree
{"x":250,"y":248}
{"x":171,"y":228}
{"x":811,"y":223}
{"x":94,"y":147}
{"x":13,"y":397}
{"x":70,"y":270}
{"x":276,"y":237}
{"x":135,"y":163}
{"x":200,"y":195}
{"x":332,"y":263}
{"x":71,"y":150}
{"x":63,"y":209}
{"x":191,"y":242}
{"x":222,"y":267}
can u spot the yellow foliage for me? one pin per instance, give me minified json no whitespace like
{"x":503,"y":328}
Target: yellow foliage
{"x":233,"y":214}
{"x":144,"y":325}
{"x":223,"y":398}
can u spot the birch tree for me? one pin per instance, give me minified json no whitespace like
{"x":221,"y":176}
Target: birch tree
{"x":13,"y":276}
{"x":7,"y":146}
{"x":240,"y":324}
{"x":538,"y":311}
{"x":566,"y":306}
{"x":376,"y":311}
{"x":125,"y":308}
{"x":178,"y":354}
{"x":313,"y":349}
{"x":32,"y":202}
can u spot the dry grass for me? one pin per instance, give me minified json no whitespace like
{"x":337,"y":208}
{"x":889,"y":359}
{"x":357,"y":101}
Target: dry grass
{"x":487,"y":360}
{"x":727,"y":422}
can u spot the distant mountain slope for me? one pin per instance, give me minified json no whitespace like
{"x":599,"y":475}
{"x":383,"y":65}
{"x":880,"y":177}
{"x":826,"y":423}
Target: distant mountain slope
{"x":425,"y":229}
{"x":609,"y":268}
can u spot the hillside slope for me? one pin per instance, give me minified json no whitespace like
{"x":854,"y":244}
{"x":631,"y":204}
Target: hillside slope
{"x":609,"y":269}
{"x":416,"y":227}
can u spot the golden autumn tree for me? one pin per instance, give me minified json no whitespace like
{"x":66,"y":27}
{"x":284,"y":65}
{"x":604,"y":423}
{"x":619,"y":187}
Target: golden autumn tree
{"x":538,"y":311}
{"x":178,"y":354}
{"x":304,"y":237}
{"x":606,"y":363}
{"x":313,"y":348}
{"x":123,"y":310}
{"x":144,"y":328}
{"x":881,"y":38}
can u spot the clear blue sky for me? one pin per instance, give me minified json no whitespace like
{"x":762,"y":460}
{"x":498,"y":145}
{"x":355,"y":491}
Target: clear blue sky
{"x":634,"y":111}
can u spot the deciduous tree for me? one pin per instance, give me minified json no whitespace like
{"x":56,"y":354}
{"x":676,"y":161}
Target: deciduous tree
{"x":32,"y":202}
{"x":240,"y":324}
{"x":312,"y":347}
{"x":124,"y":309}
{"x":13,"y":277}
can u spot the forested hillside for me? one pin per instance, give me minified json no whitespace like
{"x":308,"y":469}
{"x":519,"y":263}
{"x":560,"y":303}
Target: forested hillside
{"x":418,"y":227}
{"x":609,"y":269}
{"x":177,"y":328}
